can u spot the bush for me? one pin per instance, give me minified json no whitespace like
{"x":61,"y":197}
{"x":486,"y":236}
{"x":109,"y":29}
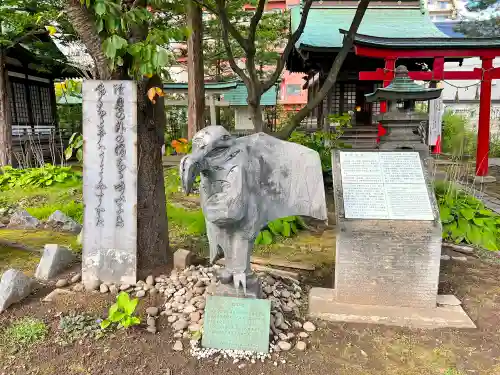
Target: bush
{"x":457,"y":139}
{"x":466,"y":220}
{"x":48,"y":175}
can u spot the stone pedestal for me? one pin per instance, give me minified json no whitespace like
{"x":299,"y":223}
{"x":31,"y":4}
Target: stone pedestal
{"x":388,"y":244}
{"x":254,"y":290}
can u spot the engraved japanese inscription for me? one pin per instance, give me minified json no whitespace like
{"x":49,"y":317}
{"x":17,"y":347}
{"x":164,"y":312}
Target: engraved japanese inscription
{"x":384,"y":185}
{"x":110,"y":181}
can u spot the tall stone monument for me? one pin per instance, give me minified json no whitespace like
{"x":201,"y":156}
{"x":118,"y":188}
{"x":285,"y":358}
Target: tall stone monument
{"x":109,"y":182}
{"x":389,"y":232}
{"x":245,"y":183}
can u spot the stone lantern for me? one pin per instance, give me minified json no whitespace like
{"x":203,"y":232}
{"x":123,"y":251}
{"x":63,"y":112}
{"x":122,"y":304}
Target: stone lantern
{"x":406,"y":128}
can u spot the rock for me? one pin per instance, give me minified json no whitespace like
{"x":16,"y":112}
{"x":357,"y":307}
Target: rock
{"x":124,"y":287}
{"x":153,"y":291}
{"x":14,"y":287}
{"x":22,"y":219}
{"x":150,"y":280}
{"x":183,"y":259}
{"x":55,"y":293}
{"x":270,"y":280}
{"x":59,"y":220}
{"x":309,"y":327}
{"x":268,"y":289}
{"x":178,"y":347}
{"x":462,"y":258}
{"x":284,"y":345}
{"x":296,"y":324}
{"x":151,"y":321}
{"x":285,"y":294}
{"x":113,"y":289}
{"x":199,"y":290}
{"x":180,"y":325}
{"x":189,"y":309}
{"x":103,"y":288}
{"x":172,"y":318}
{"x":151,"y":329}
{"x":195,"y":316}
{"x":140,"y":293}
{"x":78,"y":288}
{"x":55,"y":258}
{"x":146,"y":287}
{"x":76,"y":278}
{"x":153,"y":311}
{"x":61,"y":283}
{"x":92,"y":284}
{"x":301,"y":345}
{"x":445,"y":257}
{"x":303,"y":335}
{"x":194,"y":327}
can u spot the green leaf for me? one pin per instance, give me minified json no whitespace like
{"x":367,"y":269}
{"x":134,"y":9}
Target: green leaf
{"x":478,"y":221}
{"x":122,"y":300}
{"x":117,"y":316}
{"x":267,"y":237}
{"x":293,"y":227}
{"x":68,"y":153}
{"x":99,"y":26}
{"x":105,"y":324}
{"x":130,"y":306}
{"x":300,"y":222}
{"x":286,"y":229}
{"x":100,"y":8}
{"x":134,"y":320}
{"x":125,"y":322}
{"x":489,"y":240}
{"x":468,"y":213}
{"x":79,"y":154}
{"x":487,"y":212}
{"x":109,"y":48}
{"x":463,"y":225}
{"x":275,"y":226}
{"x":474,"y":235}
{"x":113,"y":308}
{"x":162,"y":58}
{"x":258,"y":239}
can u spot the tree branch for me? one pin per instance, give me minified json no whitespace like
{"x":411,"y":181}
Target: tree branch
{"x":27,"y":35}
{"x":252,"y":30}
{"x":228,"y":26}
{"x":332,"y":74}
{"x":292,"y":39}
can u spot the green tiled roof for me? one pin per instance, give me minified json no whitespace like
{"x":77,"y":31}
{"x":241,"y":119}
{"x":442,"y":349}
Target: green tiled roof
{"x":238,"y":96}
{"x":208,"y":85}
{"x":403,"y":87}
{"x":323,"y":24}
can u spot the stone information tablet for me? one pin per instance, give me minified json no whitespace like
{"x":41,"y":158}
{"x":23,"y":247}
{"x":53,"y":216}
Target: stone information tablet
{"x":384,"y":185}
{"x":110,"y":182}
{"x":237,"y":323}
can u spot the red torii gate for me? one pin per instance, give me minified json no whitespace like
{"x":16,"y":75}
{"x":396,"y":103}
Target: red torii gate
{"x":391,"y":49}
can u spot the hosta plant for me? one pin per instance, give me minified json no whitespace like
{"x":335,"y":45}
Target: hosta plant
{"x":121,"y":313}
{"x":284,"y":227}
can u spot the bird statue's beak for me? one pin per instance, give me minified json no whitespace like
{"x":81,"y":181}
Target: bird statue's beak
{"x":189,"y":168}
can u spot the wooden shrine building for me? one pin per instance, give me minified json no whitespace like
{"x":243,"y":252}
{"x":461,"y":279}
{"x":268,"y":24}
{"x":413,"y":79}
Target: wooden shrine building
{"x":392,"y":33}
{"x":31,"y":70}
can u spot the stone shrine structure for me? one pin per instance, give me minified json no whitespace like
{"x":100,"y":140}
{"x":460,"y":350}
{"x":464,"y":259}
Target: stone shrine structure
{"x":388,"y":244}
{"x":247,"y":182}
{"x":406,"y":128}
{"x":109,"y":183}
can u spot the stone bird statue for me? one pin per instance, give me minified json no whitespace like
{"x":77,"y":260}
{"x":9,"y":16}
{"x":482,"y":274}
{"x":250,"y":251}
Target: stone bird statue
{"x":245,"y":183}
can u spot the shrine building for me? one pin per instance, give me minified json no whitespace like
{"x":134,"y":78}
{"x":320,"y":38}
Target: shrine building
{"x":392,"y":33}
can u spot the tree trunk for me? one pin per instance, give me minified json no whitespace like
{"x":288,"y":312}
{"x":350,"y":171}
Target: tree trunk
{"x":196,"y":87}
{"x":152,"y":228}
{"x":256,"y":114}
{"x":5,"y":123}
{"x":84,"y":25}
{"x":332,"y":75}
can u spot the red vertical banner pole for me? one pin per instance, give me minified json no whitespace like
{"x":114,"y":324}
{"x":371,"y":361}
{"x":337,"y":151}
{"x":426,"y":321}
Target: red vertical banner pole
{"x":390,"y":66}
{"x":483,"y":133}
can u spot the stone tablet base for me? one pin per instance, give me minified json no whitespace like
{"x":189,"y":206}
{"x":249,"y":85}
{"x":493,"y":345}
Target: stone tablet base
{"x":322,"y":305}
{"x":254,"y":290}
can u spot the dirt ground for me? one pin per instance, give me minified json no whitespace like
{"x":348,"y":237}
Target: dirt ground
{"x":343,"y":349}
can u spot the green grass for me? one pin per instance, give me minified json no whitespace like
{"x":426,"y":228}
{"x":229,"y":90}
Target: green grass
{"x":73,"y":209}
{"x":38,"y":238}
{"x":24,"y":333}
{"x":192,"y":222}
{"x":22,"y":260}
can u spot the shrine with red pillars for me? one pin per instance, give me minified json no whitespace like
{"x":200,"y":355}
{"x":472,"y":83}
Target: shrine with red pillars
{"x":391,"y":34}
